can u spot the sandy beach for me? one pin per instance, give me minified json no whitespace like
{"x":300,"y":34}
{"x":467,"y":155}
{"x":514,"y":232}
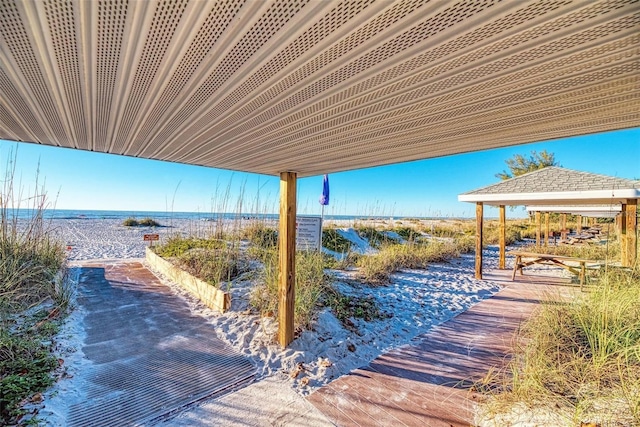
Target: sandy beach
{"x":416,"y":300}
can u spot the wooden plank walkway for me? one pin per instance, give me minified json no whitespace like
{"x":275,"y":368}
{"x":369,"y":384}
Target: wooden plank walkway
{"x":426,"y":383}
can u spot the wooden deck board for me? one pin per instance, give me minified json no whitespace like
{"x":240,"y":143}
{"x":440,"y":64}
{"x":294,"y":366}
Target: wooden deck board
{"x":426,"y":383}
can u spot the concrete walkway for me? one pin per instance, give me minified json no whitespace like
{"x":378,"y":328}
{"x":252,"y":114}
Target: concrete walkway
{"x":426,"y":383}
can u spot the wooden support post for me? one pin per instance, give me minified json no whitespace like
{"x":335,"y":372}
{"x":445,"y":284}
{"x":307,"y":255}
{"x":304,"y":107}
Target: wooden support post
{"x":563,"y":226}
{"x":546,"y":229}
{"x":287,"y":257}
{"x":622,"y":231}
{"x":503,"y":239}
{"x":479,"y":208}
{"x":579,"y":227}
{"x":631,"y":221}
{"x":538,"y":229}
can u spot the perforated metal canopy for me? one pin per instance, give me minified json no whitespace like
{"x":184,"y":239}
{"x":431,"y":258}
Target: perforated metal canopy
{"x":314,"y":86}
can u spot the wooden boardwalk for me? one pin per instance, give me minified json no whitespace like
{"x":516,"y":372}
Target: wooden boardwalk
{"x":426,"y":383}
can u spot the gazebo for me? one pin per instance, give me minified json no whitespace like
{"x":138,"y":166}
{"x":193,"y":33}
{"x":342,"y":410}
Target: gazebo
{"x":560,"y":190}
{"x":297,"y":88}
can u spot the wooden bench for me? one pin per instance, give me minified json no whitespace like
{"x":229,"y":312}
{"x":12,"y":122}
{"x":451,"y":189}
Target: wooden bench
{"x":531,"y":258}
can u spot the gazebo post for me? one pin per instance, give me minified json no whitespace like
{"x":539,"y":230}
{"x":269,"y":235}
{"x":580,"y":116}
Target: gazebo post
{"x":503,"y":240}
{"x":546,"y":229}
{"x":538,"y":228}
{"x":563,"y":226}
{"x":631,"y":228}
{"x":479,"y":214}
{"x":622,"y":232}
{"x":579,"y":224}
{"x":287,"y":257}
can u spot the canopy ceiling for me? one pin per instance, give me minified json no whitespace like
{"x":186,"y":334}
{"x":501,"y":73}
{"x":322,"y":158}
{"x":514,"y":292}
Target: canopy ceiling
{"x":595,"y":211}
{"x":314,"y":86}
{"x":557,"y":186}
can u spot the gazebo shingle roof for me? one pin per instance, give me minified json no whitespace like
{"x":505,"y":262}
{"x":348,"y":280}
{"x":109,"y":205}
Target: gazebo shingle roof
{"x":557,"y":179}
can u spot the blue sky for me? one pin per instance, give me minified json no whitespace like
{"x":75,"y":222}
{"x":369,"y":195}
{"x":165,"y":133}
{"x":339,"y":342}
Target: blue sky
{"x":85,"y":180}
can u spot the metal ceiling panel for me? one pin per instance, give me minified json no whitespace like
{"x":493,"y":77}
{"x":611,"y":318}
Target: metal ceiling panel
{"x":314,"y":86}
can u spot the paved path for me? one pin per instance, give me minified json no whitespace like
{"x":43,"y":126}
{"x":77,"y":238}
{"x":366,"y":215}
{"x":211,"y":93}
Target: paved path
{"x":149,"y":355}
{"x":426,"y":383}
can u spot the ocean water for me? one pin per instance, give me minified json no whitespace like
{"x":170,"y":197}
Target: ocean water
{"x":122,"y":215}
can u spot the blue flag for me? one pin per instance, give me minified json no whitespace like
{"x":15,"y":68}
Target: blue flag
{"x":324,"y":198}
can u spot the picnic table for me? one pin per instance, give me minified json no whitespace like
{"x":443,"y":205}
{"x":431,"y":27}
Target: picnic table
{"x":525,"y":259}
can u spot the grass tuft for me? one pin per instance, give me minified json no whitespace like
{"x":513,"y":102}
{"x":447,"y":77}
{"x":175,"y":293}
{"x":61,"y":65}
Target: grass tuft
{"x":335,"y":242}
{"x":582,"y":356}
{"x":311,"y":284}
{"x":32,"y":271}
{"x":377,"y":268}
{"x":346,"y":307}
{"x":146,"y":222}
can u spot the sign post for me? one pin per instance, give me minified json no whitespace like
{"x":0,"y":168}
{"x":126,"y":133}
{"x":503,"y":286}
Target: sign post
{"x":151,"y":238}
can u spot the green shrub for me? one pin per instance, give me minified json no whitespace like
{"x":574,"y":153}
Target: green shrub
{"x":346,"y":307}
{"x":334,"y":241}
{"x":130,"y":222}
{"x":148,"y":222}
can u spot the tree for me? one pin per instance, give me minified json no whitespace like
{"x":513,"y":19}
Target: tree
{"x":519,"y":164}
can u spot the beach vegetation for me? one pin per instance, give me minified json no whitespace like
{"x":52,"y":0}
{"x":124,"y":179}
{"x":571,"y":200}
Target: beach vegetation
{"x":214,"y":266}
{"x":334,"y":241}
{"x":260,"y":235}
{"x":491,"y":234}
{"x":376,"y":238}
{"x":377,"y":268}
{"x":579,"y":358}
{"x":408,"y":233}
{"x":32,"y":276}
{"x":311,"y":285}
{"x":145,"y":222}
{"x":130,"y":222}
{"x":26,"y":362}
{"x":178,"y":245}
{"x":213,"y":260}
{"x":148,"y":222}
{"x":347,"y":307}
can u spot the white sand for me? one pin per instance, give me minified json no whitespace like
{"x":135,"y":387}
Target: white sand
{"x":418,"y":300}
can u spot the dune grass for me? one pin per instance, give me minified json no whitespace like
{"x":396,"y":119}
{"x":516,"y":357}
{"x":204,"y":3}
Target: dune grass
{"x":581,"y":358}
{"x":377,"y":268}
{"x":311,"y":285}
{"x":334,"y":241}
{"x":376,"y":238}
{"x":213,"y":260}
{"x":32,"y":266}
{"x":145,"y":222}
